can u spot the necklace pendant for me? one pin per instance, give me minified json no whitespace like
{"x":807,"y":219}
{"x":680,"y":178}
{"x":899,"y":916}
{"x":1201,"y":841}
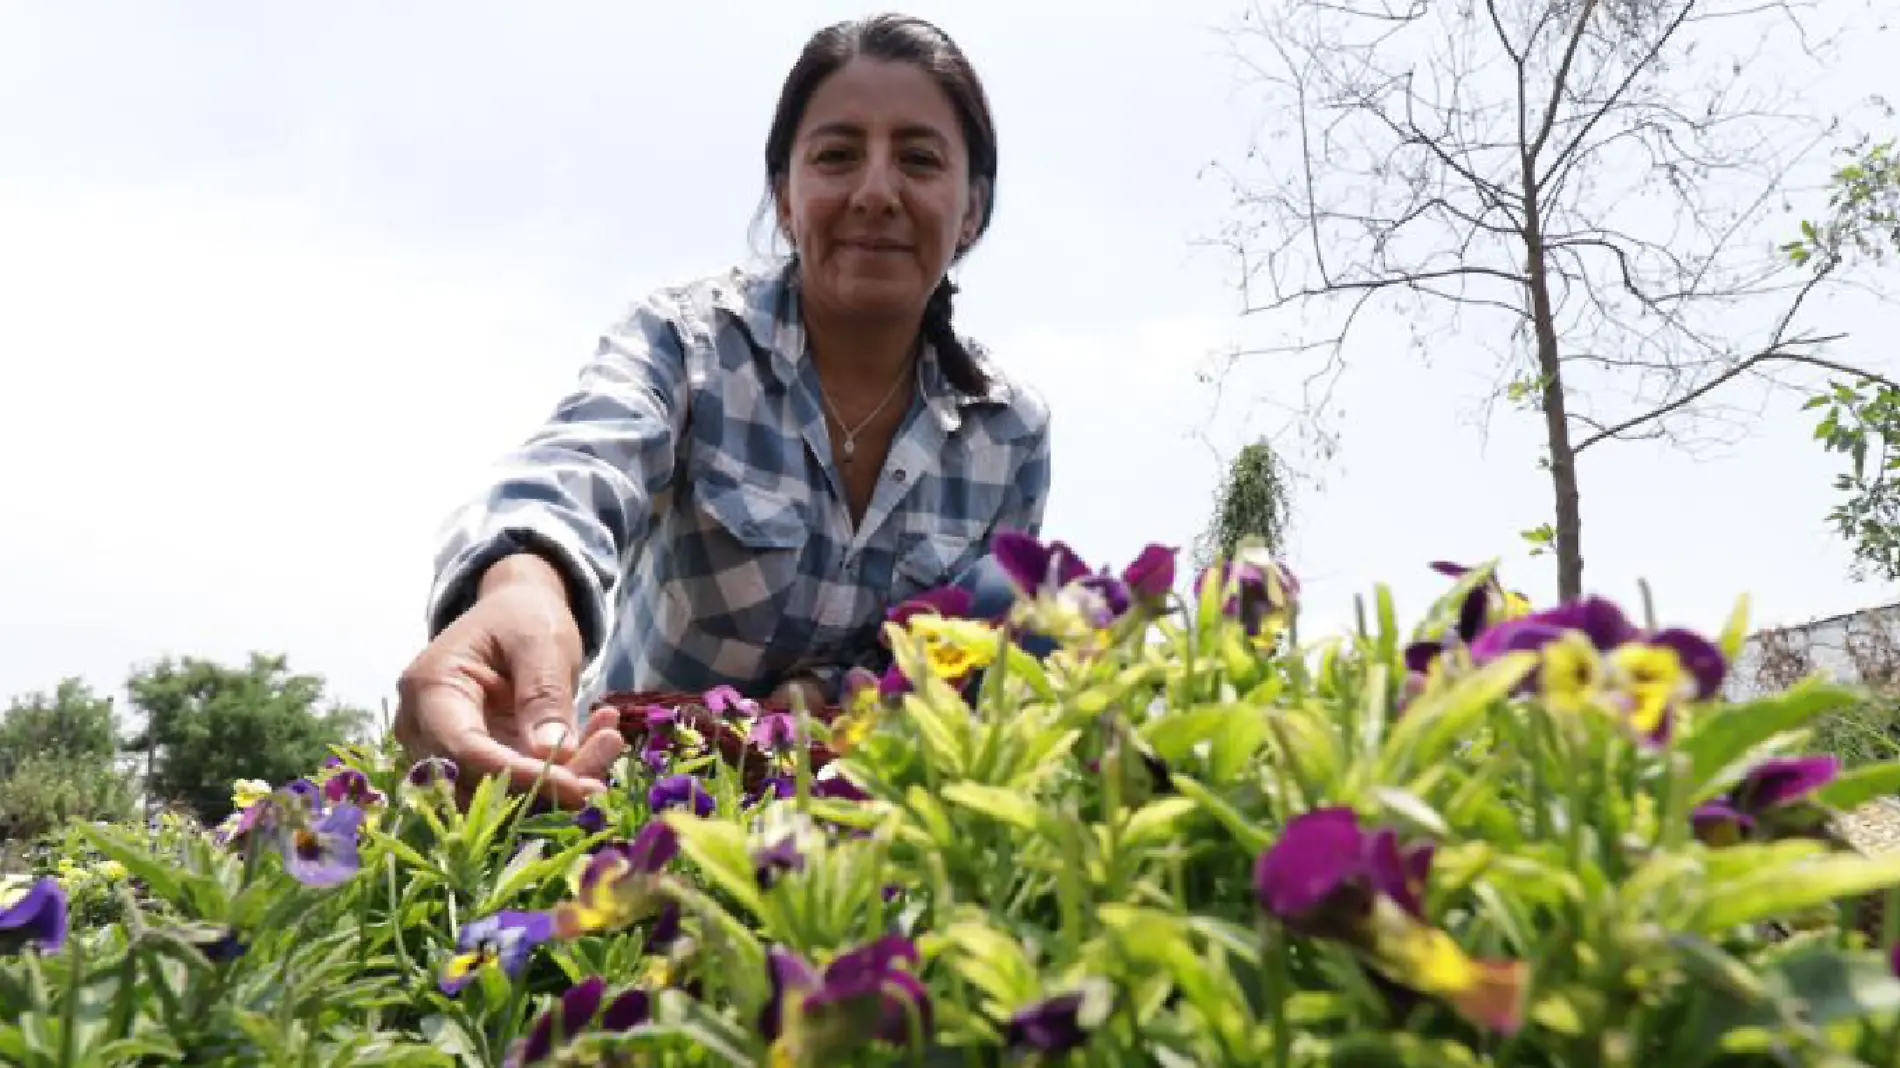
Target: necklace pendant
{"x":850,"y":448}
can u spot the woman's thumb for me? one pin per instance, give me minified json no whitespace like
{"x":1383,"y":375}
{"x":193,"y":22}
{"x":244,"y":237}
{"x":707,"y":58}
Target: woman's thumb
{"x":543,"y":688}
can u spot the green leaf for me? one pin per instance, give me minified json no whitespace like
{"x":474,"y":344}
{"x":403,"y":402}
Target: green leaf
{"x":992,"y":962}
{"x":1252,"y":839}
{"x":1855,"y":788}
{"x":1158,"y":820}
{"x":719,"y":848}
{"x":1764,"y":894}
{"x":1724,"y":735}
{"x":1007,"y":806}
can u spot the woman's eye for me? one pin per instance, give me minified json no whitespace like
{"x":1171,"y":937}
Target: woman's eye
{"x":833,"y":155}
{"x":921,"y":159}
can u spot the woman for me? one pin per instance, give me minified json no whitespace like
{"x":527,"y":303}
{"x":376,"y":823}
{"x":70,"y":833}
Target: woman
{"x":755,"y":466}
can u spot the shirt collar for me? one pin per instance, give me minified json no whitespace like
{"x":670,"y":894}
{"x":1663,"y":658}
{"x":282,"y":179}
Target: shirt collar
{"x":766,"y":304}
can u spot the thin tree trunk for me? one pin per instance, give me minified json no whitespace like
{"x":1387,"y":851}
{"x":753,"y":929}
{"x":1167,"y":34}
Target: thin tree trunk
{"x":1563,"y":460}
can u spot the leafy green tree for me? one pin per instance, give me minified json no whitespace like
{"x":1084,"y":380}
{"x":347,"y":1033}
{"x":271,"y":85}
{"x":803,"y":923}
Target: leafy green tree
{"x":57,"y":762}
{"x":208,"y":725}
{"x":1861,"y":414}
{"x":1252,"y":502}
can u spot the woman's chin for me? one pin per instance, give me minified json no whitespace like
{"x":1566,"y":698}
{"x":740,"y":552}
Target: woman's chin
{"x":877,"y":296}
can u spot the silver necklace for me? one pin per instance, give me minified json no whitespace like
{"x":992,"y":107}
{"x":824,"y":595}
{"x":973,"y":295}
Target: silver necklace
{"x":850,"y":446}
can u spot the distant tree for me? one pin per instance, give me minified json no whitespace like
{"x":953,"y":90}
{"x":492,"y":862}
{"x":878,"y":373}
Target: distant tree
{"x":57,"y":762}
{"x":1861,"y":413}
{"x":1579,"y":186}
{"x":1253,"y":501}
{"x":209,"y":725}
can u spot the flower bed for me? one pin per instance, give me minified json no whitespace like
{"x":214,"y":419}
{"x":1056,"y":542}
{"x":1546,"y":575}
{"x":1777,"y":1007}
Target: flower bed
{"x":1107,"y":829}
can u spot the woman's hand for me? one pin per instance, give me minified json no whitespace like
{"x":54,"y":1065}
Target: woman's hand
{"x":494,"y":692}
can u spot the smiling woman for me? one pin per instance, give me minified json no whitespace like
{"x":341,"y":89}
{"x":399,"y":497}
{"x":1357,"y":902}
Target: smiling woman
{"x":756,"y":467}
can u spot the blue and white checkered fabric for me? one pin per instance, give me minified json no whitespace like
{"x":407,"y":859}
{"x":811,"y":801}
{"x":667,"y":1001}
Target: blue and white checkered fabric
{"x":687,"y":488}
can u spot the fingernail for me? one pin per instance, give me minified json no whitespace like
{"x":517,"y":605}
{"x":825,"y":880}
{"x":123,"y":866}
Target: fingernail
{"x":549,"y":735}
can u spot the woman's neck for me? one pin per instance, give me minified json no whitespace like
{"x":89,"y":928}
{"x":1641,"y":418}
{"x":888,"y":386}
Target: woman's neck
{"x":857,"y":355}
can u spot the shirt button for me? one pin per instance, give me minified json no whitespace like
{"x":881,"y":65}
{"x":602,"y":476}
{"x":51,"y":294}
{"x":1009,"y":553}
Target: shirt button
{"x":900,"y":474}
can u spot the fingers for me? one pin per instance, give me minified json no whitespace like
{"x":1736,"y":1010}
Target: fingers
{"x":601,"y":745}
{"x":542,"y":683}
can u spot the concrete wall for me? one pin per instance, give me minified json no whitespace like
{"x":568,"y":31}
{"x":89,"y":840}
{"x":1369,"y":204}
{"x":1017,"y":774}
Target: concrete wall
{"x":1827,"y":645}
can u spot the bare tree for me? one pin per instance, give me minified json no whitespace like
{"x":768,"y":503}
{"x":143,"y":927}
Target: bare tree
{"x":1583,"y":184}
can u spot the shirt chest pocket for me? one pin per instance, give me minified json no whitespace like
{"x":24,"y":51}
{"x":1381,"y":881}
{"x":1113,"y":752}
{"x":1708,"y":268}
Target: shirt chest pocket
{"x":929,"y":559}
{"x":739,"y":569}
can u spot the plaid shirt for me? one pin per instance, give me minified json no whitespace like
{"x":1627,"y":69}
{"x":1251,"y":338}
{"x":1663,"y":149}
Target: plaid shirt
{"x":686,"y":490}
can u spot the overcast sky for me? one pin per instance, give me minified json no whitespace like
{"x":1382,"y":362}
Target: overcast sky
{"x":278,"y":283}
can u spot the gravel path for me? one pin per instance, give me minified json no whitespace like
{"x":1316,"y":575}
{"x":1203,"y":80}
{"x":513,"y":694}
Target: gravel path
{"x":1873,"y":827}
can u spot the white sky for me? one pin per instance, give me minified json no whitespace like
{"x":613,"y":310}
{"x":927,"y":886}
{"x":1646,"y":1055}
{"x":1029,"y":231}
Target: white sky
{"x":276,"y":286}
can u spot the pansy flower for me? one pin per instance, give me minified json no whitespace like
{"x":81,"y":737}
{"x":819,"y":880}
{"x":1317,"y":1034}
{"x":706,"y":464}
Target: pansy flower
{"x":618,"y":883}
{"x":680,"y":791}
{"x":504,"y":940}
{"x":1590,"y":657}
{"x":1772,"y":799}
{"x":1059,"y":1023}
{"x":1325,"y":877}
{"x":35,"y":917}
{"x":814,"y":1017}
{"x":1256,"y":589}
{"x":350,"y":784}
{"x":429,"y":771}
{"x":322,"y":852}
{"x":574,"y":1015}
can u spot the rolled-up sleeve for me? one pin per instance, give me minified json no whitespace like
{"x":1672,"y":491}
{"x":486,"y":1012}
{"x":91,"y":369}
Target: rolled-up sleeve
{"x":580,"y":490}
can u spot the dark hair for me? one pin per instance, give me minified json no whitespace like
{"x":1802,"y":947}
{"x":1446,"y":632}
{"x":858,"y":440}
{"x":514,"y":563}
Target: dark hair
{"x":900,"y":39}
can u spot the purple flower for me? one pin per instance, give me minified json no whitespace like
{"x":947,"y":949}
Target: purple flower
{"x":868,"y":979}
{"x":38,"y":918}
{"x":774,"y":732}
{"x":778,"y":786}
{"x":1264,"y":593}
{"x":782,"y":856}
{"x":590,"y":819}
{"x":1780,"y":781}
{"x":680,"y":791}
{"x":1770,"y":798}
{"x":726,"y":701}
{"x":323,"y":854}
{"x":1150,"y":577}
{"x":1326,"y":878}
{"x":1597,"y":619}
{"x":1322,"y":874}
{"x":838,"y":787}
{"x":1034,"y":567}
{"x":618,"y":884}
{"x":1052,"y":1025}
{"x":572,"y":1016}
{"x":353,"y":786}
{"x":665,"y":930}
{"x":431,"y":770}
{"x":1315,"y":861}
{"x":505,"y":940}
{"x":950,"y":602}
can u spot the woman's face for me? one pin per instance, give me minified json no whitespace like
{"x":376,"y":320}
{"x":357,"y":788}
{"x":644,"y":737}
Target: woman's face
{"x":877,"y":200}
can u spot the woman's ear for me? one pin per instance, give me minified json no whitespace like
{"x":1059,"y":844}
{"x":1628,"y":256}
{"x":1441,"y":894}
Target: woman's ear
{"x":973,"y":215}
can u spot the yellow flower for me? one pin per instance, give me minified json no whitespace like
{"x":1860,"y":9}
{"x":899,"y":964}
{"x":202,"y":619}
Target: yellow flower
{"x":1489,"y":993}
{"x":1571,"y":675}
{"x":1652,"y":679}
{"x":248,"y":792}
{"x":954,"y":647}
{"x":111,"y":869}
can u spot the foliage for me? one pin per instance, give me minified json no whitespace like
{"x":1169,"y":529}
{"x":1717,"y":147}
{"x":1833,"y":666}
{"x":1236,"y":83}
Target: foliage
{"x":1252,"y":504}
{"x":1581,"y":187}
{"x":1860,"y":415}
{"x":57,"y":754}
{"x":212,"y":725}
{"x":1170,"y":834}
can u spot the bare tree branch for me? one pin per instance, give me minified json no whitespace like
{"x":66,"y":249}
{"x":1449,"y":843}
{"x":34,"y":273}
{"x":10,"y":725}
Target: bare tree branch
{"x":1586,"y":183}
